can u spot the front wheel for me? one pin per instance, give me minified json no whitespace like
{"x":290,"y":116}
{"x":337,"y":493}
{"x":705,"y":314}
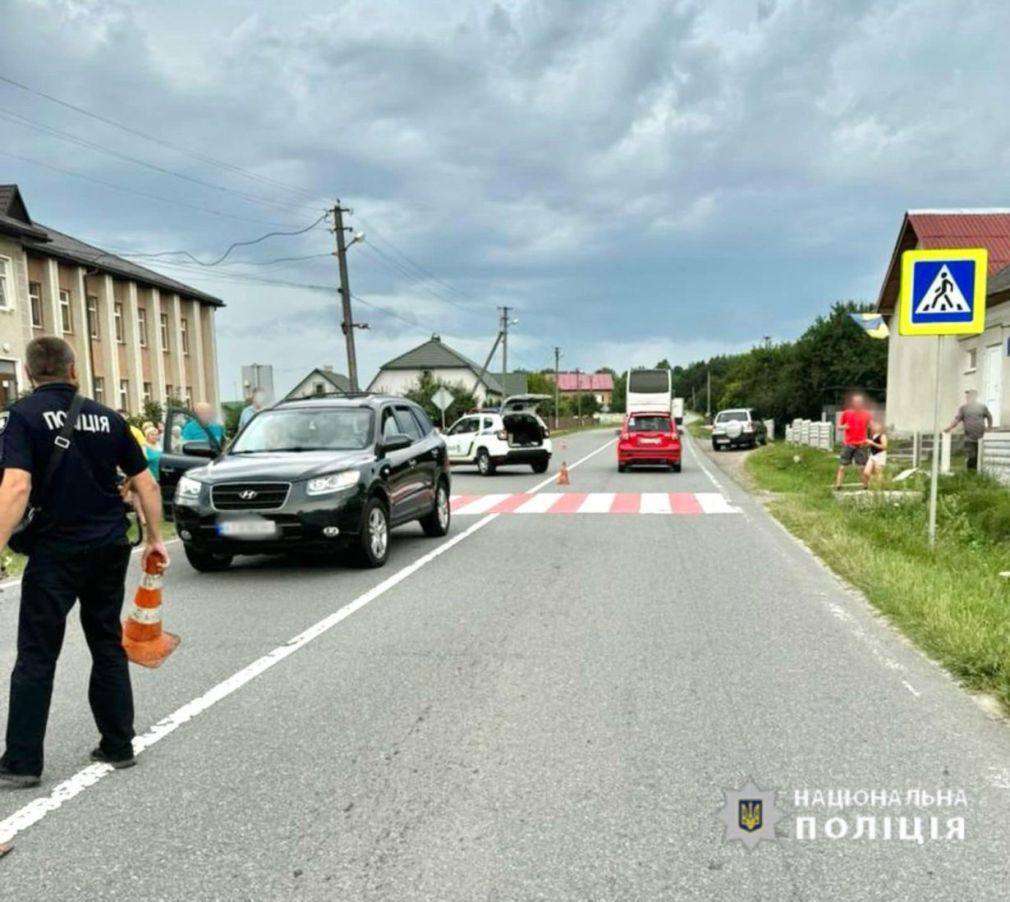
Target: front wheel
{"x":715,"y":446}
{"x":540,"y":466}
{"x":203,"y":562}
{"x":675,"y":467}
{"x":436,"y":524}
{"x":373,"y":540}
{"x":485,"y":466}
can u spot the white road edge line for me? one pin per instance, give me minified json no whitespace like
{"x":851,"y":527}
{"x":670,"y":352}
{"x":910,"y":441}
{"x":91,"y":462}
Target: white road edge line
{"x":88,"y":776}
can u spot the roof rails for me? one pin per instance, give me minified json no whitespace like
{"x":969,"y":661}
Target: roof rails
{"x":327,"y":394}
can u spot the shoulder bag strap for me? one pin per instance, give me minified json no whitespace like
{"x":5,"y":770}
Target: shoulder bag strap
{"x":60,"y":443}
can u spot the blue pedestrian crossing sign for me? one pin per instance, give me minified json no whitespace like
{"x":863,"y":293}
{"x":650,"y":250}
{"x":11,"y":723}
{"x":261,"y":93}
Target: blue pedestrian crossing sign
{"x":943,"y":292}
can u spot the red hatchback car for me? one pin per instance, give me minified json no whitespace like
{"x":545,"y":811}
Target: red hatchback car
{"x":649,"y":438}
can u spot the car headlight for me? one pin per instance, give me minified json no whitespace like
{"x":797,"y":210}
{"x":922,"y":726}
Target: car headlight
{"x":323,"y":485}
{"x":187,"y":491}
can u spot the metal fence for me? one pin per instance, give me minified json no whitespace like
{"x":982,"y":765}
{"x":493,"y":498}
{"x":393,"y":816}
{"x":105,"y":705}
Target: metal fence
{"x":995,"y":456}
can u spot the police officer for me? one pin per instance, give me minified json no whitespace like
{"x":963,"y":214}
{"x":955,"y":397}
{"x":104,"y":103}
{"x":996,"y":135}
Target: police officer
{"x":78,"y":551}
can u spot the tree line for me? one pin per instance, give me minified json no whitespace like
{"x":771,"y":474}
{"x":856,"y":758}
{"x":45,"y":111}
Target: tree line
{"x":783,"y":381}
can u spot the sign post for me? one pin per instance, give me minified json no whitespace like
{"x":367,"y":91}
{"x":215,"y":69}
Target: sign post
{"x":942,"y":293}
{"x":442,"y":398}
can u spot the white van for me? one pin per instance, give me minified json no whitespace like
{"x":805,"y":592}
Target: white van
{"x":489,"y":439}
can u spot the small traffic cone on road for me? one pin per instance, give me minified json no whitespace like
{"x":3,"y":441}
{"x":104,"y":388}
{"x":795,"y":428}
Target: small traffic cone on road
{"x":563,"y":474}
{"x":146,"y":643}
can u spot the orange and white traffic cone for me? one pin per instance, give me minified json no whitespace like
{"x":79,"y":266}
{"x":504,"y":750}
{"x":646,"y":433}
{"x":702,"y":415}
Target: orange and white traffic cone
{"x":563,"y":475}
{"x":146,"y":643}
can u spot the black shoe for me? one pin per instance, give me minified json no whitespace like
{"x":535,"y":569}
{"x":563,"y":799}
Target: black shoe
{"x":117,"y":763}
{"x":17,"y":781}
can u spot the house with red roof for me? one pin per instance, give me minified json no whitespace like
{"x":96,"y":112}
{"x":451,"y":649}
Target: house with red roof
{"x":979,"y":362}
{"x":600,"y":385}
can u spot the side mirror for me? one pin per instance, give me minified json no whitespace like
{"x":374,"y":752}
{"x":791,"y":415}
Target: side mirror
{"x":617,"y":431}
{"x":199,"y":449}
{"x":396,"y":442}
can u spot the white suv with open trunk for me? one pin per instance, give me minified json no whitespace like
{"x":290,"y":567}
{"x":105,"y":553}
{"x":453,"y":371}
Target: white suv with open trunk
{"x":489,"y":439}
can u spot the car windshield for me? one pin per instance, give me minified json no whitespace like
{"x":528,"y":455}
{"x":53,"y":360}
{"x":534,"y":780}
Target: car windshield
{"x":648,"y":423}
{"x":727,"y":415}
{"x":347,"y":429}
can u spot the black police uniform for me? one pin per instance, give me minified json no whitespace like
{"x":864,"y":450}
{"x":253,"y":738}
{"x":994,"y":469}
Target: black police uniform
{"x":79,"y":551}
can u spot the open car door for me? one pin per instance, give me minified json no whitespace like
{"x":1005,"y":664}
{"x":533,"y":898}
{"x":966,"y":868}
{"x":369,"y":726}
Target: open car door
{"x":523,"y":403}
{"x":186,"y":444}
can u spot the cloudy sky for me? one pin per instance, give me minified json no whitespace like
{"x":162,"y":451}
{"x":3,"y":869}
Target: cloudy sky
{"x":638,"y":179}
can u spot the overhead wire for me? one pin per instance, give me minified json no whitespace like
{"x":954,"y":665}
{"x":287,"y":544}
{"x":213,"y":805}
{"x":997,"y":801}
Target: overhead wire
{"x":402,"y":268}
{"x":392,"y":265}
{"x":230,"y":247}
{"x":92,"y":145}
{"x":140,"y":193}
{"x":179,"y":148}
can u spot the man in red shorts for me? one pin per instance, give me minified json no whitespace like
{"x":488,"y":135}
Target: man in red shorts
{"x":854,"y":423}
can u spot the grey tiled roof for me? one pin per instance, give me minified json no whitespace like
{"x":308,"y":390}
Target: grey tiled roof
{"x":71,"y":249}
{"x":14,"y":220}
{"x":434,"y":355}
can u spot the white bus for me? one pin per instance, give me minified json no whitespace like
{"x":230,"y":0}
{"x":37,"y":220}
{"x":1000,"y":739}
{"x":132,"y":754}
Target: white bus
{"x":649,"y":391}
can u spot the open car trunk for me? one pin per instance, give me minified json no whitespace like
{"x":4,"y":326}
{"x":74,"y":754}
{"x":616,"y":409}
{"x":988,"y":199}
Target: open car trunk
{"x":523,"y":429}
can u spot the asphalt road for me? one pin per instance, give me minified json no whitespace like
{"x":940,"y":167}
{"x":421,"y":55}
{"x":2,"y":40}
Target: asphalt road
{"x":549,"y":707}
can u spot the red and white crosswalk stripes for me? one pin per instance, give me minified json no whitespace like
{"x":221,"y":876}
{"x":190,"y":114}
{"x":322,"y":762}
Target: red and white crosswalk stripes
{"x":594,"y":503}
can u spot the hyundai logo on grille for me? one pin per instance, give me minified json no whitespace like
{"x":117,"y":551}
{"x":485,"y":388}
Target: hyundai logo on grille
{"x":247,"y":495}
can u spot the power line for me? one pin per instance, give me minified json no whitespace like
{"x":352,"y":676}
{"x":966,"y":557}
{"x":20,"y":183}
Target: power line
{"x":230,"y":248}
{"x":83,"y":142}
{"x":216,"y":276}
{"x":204,"y":158}
{"x":393,"y":266}
{"x":271,"y":263}
{"x":368,"y":225}
{"x":153,"y":138}
{"x":139,"y":193}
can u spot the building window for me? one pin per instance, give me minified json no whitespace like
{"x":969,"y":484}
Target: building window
{"x":35,"y":302}
{"x":318,"y":388}
{"x":972,"y":360}
{"x":6,"y":284}
{"x":99,"y":389}
{"x":142,"y":326}
{"x":66,"y":313}
{"x":124,"y":395}
{"x":169,"y":393}
{"x":184,"y":335}
{"x":147,"y":392}
{"x":117,"y":314}
{"x":165,"y":344}
{"x":189,"y":396}
{"x":93,"y":316}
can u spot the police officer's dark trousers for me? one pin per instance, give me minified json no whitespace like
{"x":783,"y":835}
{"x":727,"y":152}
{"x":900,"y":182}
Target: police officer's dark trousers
{"x":57,"y":575}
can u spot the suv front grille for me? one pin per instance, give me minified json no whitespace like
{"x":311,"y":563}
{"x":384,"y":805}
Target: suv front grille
{"x":249,"y":496}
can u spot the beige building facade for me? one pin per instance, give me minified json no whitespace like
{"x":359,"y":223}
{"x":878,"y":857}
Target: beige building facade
{"x":139,"y":336}
{"x":977,"y":362}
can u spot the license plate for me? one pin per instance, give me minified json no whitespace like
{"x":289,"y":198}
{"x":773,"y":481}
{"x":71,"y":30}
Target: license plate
{"x":247,"y":529}
{"x":648,"y":441}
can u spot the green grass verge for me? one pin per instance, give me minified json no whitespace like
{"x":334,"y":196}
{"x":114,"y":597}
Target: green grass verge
{"x":14,"y":564}
{"x":952,"y":602}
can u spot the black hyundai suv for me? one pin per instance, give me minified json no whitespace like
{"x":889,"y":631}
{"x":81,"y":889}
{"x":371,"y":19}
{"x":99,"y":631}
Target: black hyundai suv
{"x":308,"y":476}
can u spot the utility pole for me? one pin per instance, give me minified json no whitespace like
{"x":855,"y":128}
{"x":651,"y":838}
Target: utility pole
{"x":578,"y":393}
{"x":708,"y":397}
{"x":504,"y":329}
{"x":557,"y":386}
{"x":347,"y":323}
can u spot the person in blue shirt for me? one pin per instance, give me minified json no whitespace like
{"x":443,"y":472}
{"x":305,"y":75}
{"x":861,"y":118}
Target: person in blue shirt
{"x":196,"y":430}
{"x":259,"y":401}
